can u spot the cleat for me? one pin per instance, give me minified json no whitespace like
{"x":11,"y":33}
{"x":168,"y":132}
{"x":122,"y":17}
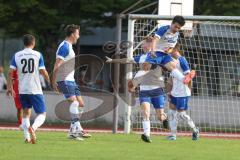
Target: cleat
{"x":84,"y":134}
{"x":146,"y":138}
{"x":189,"y":77}
{"x":74,"y":136}
{"x":195,"y":135}
{"x":165,"y":124}
{"x":171,"y":138}
{"x":27,"y":141}
{"x":32,"y":134}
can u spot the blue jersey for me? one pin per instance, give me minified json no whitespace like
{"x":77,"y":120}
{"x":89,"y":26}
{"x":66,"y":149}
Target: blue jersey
{"x":166,"y":38}
{"x":66,"y":70}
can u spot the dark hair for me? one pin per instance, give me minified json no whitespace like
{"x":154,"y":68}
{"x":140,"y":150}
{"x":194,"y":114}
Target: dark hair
{"x":179,"y":19}
{"x":71,"y":29}
{"x":28,"y":39}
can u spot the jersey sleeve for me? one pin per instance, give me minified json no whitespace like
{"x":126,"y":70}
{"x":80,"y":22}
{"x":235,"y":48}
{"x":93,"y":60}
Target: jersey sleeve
{"x":184,"y":65}
{"x":63,"y":51}
{"x":13,"y":64}
{"x":41,"y":62}
{"x":161,"y":31}
{"x":137,"y":58}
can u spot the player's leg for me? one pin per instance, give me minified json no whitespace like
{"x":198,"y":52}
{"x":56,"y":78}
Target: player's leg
{"x":159,"y":103}
{"x":79,"y":128}
{"x":19,"y":108}
{"x":39,"y":106}
{"x":26,"y":117}
{"x":145,"y":109}
{"x":182,"y":106}
{"x":172,"y":118}
{"x":167,"y":61}
{"x":68,"y":90}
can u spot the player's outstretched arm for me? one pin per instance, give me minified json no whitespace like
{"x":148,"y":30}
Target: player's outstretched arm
{"x":122,"y":60}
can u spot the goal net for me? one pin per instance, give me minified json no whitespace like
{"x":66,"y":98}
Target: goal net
{"x":211,"y":45}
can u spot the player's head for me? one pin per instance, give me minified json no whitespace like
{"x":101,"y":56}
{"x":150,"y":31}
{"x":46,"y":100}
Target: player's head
{"x":147,"y":43}
{"x":176,"y":51}
{"x":177,"y":23}
{"x":29,"y":41}
{"x":72,"y":33}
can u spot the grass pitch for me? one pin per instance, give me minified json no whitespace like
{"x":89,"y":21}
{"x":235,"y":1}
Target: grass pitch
{"x":55,"y":146}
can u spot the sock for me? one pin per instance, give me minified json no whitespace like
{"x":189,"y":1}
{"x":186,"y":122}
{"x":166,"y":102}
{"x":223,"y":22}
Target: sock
{"x":177,"y":74}
{"x":183,"y":115}
{"x":25,"y":126}
{"x":19,"y":121}
{"x":173,"y":122}
{"x":74,"y":111}
{"x":146,"y":127}
{"x":39,"y":120}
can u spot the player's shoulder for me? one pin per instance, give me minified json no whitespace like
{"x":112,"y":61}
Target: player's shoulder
{"x":37,"y":53}
{"x":64,"y":44}
{"x":164,"y":28}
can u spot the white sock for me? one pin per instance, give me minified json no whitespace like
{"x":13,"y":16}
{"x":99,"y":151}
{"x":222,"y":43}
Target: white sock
{"x":25,"y":126}
{"x":173,"y":122}
{"x":146,"y":127}
{"x":39,"y":120}
{"x":177,"y":74}
{"x":183,"y":115}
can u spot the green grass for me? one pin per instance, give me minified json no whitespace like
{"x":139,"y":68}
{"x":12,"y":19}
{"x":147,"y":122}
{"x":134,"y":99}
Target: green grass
{"x":55,"y":145}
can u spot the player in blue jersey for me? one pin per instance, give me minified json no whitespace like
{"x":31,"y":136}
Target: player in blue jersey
{"x":165,"y":38}
{"x":151,"y":88}
{"x":179,"y":97}
{"x":64,"y":81}
{"x":29,"y":63}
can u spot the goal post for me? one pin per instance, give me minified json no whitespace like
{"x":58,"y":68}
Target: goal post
{"x":212,"y":47}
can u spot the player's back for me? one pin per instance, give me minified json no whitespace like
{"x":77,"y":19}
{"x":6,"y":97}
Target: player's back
{"x":28,"y":62}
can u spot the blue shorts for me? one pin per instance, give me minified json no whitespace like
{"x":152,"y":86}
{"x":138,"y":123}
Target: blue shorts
{"x":69,"y":88}
{"x":155,"y":97}
{"x":36,"y":101}
{"x":161,"y":59}
{"x":181,"y":103}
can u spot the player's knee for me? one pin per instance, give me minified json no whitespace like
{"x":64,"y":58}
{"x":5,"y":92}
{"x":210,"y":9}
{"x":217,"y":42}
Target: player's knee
{"x":74,"y":107}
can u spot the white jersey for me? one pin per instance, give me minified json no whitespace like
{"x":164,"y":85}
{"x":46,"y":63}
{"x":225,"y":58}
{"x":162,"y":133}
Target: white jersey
{"x":166,"y":38}
{"x":28,"y":62}
{"x":179,"y":88}
{"x":154,"y":80}
{"x":66,"y":70}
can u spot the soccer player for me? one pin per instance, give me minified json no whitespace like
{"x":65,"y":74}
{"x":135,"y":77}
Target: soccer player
{"x":164,"y":40}
{"x":151,"y":88}
{"x":63,"y":80}
{"x":179,"y":97}
{"x":29,"y":63}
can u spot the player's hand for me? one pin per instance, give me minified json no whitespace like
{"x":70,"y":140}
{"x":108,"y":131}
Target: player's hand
{"x":131,"y":87}
{"x":109,"y":60}
{"x":10,"y":92}
{"x":55,"y":88}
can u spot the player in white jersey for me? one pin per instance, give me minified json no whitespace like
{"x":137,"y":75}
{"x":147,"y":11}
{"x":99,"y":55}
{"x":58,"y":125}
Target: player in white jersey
{"x":29,"y":63}
{"x":164,"y":40}
{"x":64,"y":81}
{"x":179,"y":96}
{"x":151,"y":88}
